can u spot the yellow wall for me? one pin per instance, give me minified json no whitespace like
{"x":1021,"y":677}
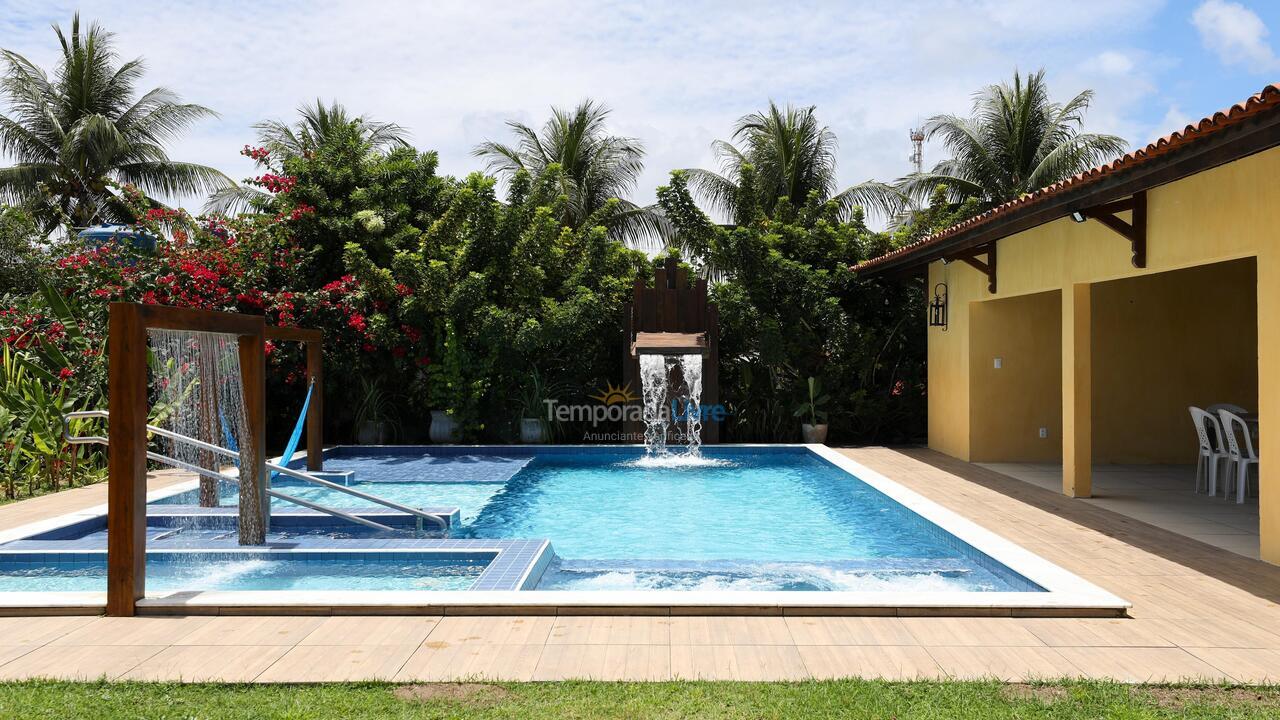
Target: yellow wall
{"x":1222,"y":214}
{"x":1163,"y":342}
{"x":1009,"y":404}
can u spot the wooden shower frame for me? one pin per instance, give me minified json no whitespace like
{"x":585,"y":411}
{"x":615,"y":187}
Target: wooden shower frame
{"x":127,"y":431}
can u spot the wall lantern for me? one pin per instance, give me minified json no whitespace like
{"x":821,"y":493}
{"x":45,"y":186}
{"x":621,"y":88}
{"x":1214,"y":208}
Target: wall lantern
{"x":938,"y":308}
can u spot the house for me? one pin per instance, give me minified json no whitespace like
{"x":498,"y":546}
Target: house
{"x":1083,"y":319}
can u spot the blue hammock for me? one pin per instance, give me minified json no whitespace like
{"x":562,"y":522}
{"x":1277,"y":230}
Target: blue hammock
{"x":294,"y":439}
{"x":292,"y":445}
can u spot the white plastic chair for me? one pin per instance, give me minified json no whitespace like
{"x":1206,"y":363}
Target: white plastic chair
{"x":1212,"y":450}
{"x":1241,"y":455}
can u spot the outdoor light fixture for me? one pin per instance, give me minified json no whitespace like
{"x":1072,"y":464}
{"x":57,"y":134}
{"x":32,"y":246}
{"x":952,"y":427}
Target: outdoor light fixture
{"x":1078,"y":216}
{"x":938,"y":308}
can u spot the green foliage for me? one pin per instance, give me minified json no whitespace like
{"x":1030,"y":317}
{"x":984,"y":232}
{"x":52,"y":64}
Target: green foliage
{"x":1016,"y":141}
{"x":791,"y":308}
{"x":74,"y":133}
{"x":592,"y":169}
{"x":813,"y":409}
{"x":40,"y":384}
{"x":782,"y":156}
{"x":20,"y":259}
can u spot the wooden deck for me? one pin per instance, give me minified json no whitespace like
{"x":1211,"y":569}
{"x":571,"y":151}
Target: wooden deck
{"x":1199,"y":613}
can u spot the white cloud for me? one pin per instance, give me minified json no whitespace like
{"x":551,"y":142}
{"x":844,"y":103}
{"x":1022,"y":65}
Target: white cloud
{"x":1235,"y":33}
{"x":677,"y":74}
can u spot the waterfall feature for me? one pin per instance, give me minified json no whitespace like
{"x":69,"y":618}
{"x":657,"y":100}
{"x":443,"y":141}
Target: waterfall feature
{"x":199,"y":392}
{"x":683,"y":417}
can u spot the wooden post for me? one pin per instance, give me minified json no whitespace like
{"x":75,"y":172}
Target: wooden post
{"x":210,"y":432}
{"x":315,"y":412}
{"x":255,"y":513}
{"x":126,"y":460}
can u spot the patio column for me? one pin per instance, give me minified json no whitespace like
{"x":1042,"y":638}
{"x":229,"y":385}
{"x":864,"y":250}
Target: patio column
{"x":1077,"y":391}
{"x":1268,"y":403}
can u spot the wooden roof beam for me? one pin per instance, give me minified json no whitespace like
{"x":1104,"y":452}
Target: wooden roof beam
{"x":1135,"y":232}
{"x":986,"y":267}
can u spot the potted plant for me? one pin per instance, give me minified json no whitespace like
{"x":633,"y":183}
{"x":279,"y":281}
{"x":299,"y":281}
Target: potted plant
{"x":375,"y":416}
{"x":813,"y":410}
{"x":535,"y":426}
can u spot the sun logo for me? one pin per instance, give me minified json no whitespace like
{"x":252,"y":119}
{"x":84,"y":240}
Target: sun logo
{"x":615,"y":395}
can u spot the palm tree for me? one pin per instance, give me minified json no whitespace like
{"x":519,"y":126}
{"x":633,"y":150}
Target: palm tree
{"x":316,"y":125}
{"x":595,"y":167}
{"x":76,"y":133}
{"x":1016,"y":141}
{"x":791,"y":156}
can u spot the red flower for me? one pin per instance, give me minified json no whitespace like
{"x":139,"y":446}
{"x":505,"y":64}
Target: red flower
{"x":66,"y":373}
{"x":357,"y":321}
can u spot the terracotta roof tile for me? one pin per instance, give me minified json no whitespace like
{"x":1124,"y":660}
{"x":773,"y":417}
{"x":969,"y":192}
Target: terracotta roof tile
{"x":1266,"y":100}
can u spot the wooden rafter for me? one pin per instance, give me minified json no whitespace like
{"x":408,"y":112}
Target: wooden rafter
{"x":1135,"y":232}
{"x":986,"y":266}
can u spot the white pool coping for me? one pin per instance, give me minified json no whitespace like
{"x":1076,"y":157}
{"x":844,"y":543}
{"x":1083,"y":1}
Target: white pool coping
{"x":1065,"y":594}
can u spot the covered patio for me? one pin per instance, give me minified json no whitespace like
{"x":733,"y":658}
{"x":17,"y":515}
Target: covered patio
{"x":1071,"y":330}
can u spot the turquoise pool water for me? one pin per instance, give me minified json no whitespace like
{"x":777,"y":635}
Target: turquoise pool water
{"x":169,"y":572}
{"x":781,"y":519}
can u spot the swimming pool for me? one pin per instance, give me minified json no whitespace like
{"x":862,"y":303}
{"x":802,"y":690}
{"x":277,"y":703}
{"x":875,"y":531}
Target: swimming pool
{"x":583,"y":528}
{"x":247,"y":570}
{"x":752,"y":519}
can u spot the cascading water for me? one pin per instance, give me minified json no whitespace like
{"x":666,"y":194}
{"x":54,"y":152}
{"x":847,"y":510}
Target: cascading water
{"x":199,"y":393}
{"x":682,"y":418}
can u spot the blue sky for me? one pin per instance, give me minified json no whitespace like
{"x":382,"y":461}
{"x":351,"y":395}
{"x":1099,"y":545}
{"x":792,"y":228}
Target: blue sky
{"x":676,"y":73}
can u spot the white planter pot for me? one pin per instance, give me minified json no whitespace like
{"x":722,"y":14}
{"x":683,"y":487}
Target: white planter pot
{"x":444,"y":429}
{"x":814,"y":433}
{"x":533,"y":431}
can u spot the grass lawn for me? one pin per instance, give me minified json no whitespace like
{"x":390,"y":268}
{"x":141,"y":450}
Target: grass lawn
{"x":530,"y":701}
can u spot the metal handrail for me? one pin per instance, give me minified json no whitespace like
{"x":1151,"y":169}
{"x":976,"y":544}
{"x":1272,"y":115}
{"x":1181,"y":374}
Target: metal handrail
{"x":419,"y":515}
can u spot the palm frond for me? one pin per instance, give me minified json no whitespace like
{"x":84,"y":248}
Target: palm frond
{"x":173,"y":178}
{"x":235,"y":200}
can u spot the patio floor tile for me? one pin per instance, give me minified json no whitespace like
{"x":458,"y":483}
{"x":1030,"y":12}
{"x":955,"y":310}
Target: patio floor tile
{"x":207,"y":663}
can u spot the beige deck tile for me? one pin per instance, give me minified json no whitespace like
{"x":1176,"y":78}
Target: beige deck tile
{"x":1215,"y":632}
{"x":1096,"y":632}
{"x":78,"y":662}
{"x":133,"y":631}
{"x":529,"y":630}
{"x":891,"y":662}
{"x":849,"y":631}
{"x":724,"y":630}
{"x":13,"y":652}
{"x":604,"y":662}
{"x":207,"y":663}
{"x":471,"y":661}
{"x":1141,"y":665}
{"x":618,"y":630}
{"x":371,"y":630}
{"x":39,"y":630}
{"x":737,"y":662}
{"x":1001,"y":632}
{"x":1244,"y":664}
{"x":1010,"y":664}
{"x":251,"y":630}
{"x":338,"y":663}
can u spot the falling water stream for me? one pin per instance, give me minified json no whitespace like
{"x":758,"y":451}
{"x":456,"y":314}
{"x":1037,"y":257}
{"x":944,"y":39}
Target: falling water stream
{"x":199,"y":393}
{"x":682,"y":418}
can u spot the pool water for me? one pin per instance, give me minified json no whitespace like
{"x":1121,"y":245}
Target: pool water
{"x":170,"y":572}
{"x":766,"y":519}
